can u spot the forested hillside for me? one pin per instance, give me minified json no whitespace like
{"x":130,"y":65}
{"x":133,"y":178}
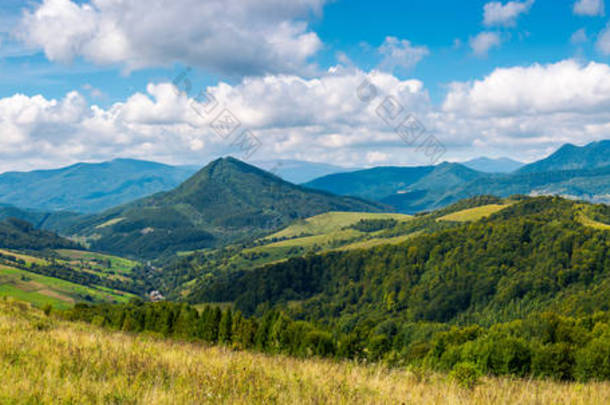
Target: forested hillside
{"x":532,"y":256}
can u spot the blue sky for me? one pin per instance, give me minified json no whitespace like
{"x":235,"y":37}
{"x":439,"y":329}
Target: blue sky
{"x":96,"y":74}
{"x":354,"y":27}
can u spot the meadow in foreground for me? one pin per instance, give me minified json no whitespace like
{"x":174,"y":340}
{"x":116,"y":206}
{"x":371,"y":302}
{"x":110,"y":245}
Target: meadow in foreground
{"x":46,"y":360}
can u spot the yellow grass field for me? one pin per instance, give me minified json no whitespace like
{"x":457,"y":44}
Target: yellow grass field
{"x":586,"y":221}
{"x":48,"y":361}
{"x":473,"y":214}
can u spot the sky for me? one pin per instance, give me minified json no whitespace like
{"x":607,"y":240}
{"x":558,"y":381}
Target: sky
{"x":348,"y":82}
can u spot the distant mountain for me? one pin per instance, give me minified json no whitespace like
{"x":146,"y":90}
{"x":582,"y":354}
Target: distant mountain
{"x":500,"y":165}
{"x":374,"y":184}
{"x":407,"y":189}
{"x":227,"y":200}
{"x":586,"y":184}
{"x":89,"y":187}
{"x":297,"y":171}
{"x":571,"y":157}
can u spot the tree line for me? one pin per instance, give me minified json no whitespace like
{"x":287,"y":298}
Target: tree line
{"x":544,"y":345}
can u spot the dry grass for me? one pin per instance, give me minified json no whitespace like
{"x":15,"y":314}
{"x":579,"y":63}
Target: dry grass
{"x":473,"y":214}
{"x":58,"y":362}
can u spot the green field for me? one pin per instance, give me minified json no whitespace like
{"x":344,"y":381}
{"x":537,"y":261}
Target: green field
{"x":28,"y":259}
{"x":118,"y":264}
{"x":473,"y":214}
{"x":40,"y":290}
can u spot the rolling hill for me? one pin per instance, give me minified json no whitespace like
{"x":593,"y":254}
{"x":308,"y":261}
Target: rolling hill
{"x":16,"y":233}
{"x":534,"y":255}
{"x":227,"y":200}
{"x":89,"y":187}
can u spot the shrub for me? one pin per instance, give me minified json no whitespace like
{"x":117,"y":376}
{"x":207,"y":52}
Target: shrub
{"x":465,"y":374}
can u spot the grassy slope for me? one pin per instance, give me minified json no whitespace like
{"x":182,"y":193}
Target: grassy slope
{"x":41,"y":290}
{"x":50,"y":361}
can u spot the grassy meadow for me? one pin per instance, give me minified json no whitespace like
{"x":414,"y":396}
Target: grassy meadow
{"x":47,"y":360}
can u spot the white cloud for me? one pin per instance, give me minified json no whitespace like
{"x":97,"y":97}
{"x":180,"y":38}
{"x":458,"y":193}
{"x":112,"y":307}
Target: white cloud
{"x":579,"y":37}
{"x":589,"y":7}
{"x":528,"y":111}
{"x":497,"y":14}
{"x":232,"y":37}
{"x":400,"y":53}
{"x":566,"y":86}
{"x":522,"y":112}
{"x":310,"y":119}
{"x":482,"y":43}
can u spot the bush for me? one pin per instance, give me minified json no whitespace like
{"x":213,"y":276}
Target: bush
{"x":466,"y":375}
{"x":593,"y":361}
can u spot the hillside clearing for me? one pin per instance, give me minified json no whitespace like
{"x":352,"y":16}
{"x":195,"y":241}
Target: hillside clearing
{"x":473,"y":214}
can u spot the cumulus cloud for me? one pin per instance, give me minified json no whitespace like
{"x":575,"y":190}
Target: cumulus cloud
{"x":309,"y":119}
{"x":523,"y":112}
{"x":400,"y":53}
{"x":589,"y":7}
{"x":482,"y":43}
{"x":566,"y":86}
{"x":497,"y":14}
{"x":231,"y":37}
{"x":534,"y":108}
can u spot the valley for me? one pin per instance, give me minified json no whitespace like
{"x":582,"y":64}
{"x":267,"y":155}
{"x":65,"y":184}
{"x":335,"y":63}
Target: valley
{"x":235,"y":257}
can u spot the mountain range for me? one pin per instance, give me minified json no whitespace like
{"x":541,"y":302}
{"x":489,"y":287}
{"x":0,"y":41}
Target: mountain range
{"x":573,"y":172}
{"x":95,"y":187}
{"x":228,"y":200}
